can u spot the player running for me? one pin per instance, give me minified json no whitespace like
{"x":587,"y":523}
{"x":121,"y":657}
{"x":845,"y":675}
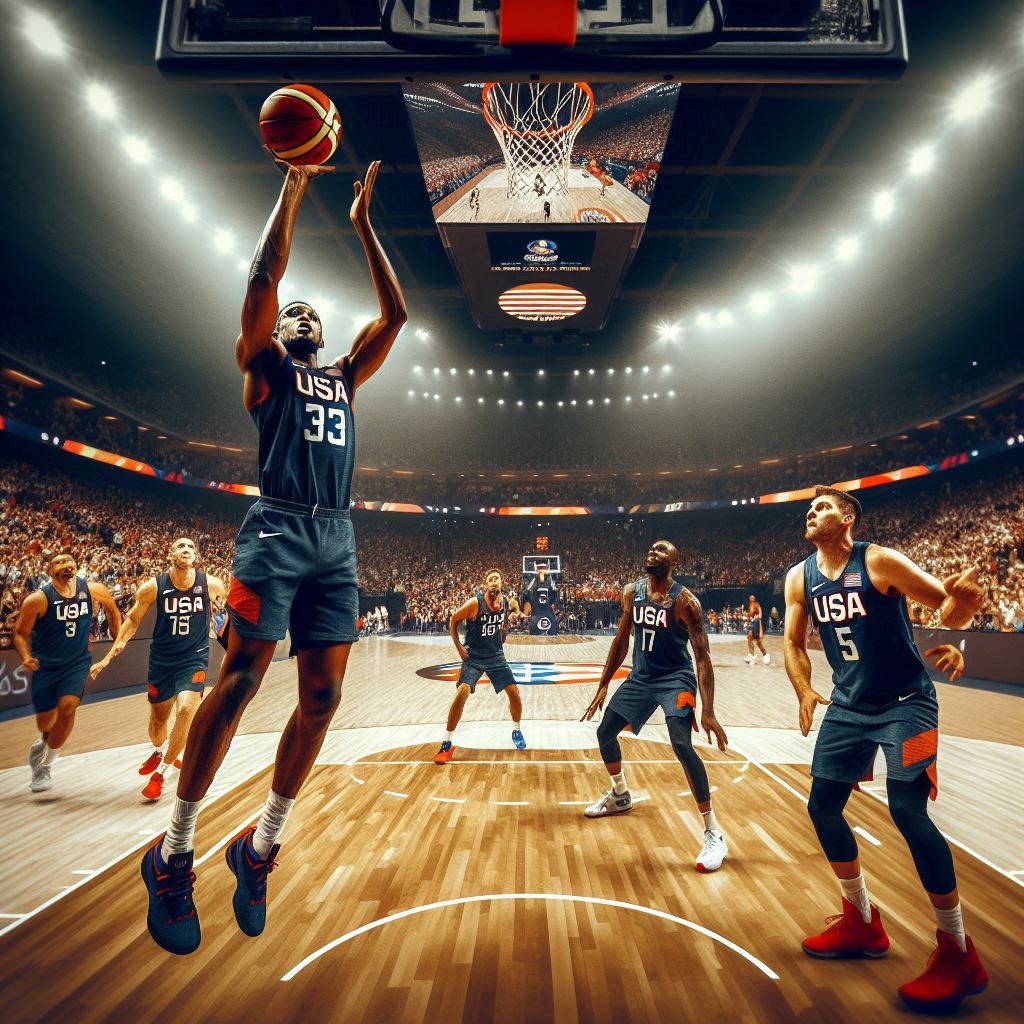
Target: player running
{"x":52,"y":637}
{"x":179,"y":654}
{"x":664,"y":617}
{"x":294,"y":566}
{"x":882,"y":696}
{"x":486,"y":618}
{"x":755,"y":633}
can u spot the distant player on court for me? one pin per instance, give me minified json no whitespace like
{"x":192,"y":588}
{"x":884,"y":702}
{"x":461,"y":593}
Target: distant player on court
{"x":664,"y":617}
{"x":179,"y":654}
{"x":52,"y":637}
{"x":294,"y":566}
{"x":856,"y":594}
{"x":755,"y":633}
{"x":486,"y":618}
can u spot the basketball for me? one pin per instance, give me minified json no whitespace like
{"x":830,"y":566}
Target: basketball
{"x":300,"y":124}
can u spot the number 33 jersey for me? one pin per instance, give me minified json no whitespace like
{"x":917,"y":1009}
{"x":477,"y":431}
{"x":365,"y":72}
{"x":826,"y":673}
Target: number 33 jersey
{"x":307,"y":435}
{"x":866,"y":635}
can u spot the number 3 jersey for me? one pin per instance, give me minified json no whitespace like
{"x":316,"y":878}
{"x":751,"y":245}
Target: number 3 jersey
{"x":307,"y":435}
{"x":181,"y":636}
{"x":866,"y":635}
{"x":60,"y":637}
{"x":484,"y":639}
{"x":660,"y":654}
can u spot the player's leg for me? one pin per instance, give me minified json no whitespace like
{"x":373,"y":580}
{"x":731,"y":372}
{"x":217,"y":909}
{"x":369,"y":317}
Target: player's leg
{"x":766,"y":658}
{"x":161,"y":704}
{"x":186,"y":705}
{"x":749,"y":659}
{"x":501,"y":678}
{"x":45,"y":701}
{"x":67,"y":707}
{"x":468,"y":676}
{"x":617,"y":800}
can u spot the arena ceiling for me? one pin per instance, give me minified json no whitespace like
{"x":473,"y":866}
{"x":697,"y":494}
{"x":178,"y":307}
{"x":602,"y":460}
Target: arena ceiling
{"x":112,"y":287}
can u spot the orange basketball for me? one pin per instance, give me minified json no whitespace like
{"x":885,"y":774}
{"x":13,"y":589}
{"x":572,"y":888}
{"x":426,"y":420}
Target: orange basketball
{"x":300,"y":124}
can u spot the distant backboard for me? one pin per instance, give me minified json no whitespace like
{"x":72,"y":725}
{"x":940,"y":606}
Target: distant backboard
{"x":459,"y":40}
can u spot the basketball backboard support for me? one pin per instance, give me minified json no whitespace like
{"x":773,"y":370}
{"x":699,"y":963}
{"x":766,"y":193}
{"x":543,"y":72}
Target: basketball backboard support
{"x":457,"y":41}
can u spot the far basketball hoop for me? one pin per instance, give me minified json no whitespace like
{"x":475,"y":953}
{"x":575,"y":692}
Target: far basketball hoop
{"x":536,"y":125}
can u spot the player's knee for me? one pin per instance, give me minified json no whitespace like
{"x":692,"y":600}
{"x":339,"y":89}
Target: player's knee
{"x":322,"y":700}
{"x":821,"y":806}
{"x":236,"y":689}
{"x":606,"y":732}
{"x":463,"y":692}
{"x":66,"y":707}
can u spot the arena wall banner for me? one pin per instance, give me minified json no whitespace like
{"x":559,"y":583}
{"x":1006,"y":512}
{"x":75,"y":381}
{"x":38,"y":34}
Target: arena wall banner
{"x":128,"y":670}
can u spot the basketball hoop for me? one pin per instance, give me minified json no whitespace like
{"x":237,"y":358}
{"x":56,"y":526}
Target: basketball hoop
{"x":536,"y":125}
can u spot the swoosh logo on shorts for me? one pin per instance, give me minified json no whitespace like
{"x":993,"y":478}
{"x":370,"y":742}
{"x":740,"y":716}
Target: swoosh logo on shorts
{"x":263,"y":535}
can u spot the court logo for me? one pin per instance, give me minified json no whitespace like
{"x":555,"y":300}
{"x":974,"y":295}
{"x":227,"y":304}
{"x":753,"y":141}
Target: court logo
{"x":541,"y":250}
{"x":534,"y":673}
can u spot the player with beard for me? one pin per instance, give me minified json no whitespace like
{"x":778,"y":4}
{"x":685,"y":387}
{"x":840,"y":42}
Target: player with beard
{"x":52,"y":637}
{"x":486,"y":617}
{"x":179,"y":654}
{"x":882,"y":696}
{"x":664,"y":617}
{"x":295,"y":562}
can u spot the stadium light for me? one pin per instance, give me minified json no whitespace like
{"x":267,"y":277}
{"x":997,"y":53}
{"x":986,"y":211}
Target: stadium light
{"x":590,"y":401}
{"x":452,"y":371}
{"x":504,"y":373}
{"x":671,"y":394}
{"x":437,"y":371}
{"x":172,"y":190}
{"x":426,"y":394}
{"x":437,"y":397}
{"x":490,"y":373}
{"x":411,"y":393}
{"x":607,"y":401}
{"x":458,"y":398}
{"x":847,"y":249}
{"x":629,"y":369}
{"x":471,"y":371}
{"x":501,"y":401}
{"x":422,"y":334}
{"x":724,"y":318}
{"x":803,"y":279}
{"x":417,"y":369}
{"x":922,"y":160}
{"x":242,"y":265}
{"x":666,"y":368}
{"x":627,"y":399}
{"x":575,"y":373}
{"x":590,"y":372}
{"x":705,"y":320}
{"x":540,"y":372}
{"x":761,"y":303}
{"x":560,"y":403}
{"x":883,"y":205}
{"x":137,"y":149}
{"x":573,"y":402}
{"x":101,"y":101}
{"x":520,"y":402}
{"x":223,"y":240}
{"x":480,"y":401}
{"x":44,"y":35}
{"x":540,"y":402}
{"x":973,"y":99}
{"x":189,"y":214}
{"x":611,"y":370}
{"x":669,"y":332}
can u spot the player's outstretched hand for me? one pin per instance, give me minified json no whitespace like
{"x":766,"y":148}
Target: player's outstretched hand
{"x":968,"y":598}
{"x":307,"y":171}
{"x":96,"y":669}
{"x":710,"y":725}
{"x":596,"y":704}
{"x":948,"y":659}
{"x":360,"y":212}
{"x":808,"y":702}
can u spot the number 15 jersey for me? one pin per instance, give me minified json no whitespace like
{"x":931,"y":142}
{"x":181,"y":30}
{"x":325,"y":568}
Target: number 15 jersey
{"x":307,"y":435}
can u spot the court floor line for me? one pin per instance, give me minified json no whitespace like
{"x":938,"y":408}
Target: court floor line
{"x":534,"y":764}
{"x":593,"y":900}
{"x":881,"y":799}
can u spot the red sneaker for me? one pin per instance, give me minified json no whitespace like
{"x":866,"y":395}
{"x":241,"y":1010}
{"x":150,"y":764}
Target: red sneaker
{"x":445,"y":754}
{"x":154,"y":787}
{"x":951,"y":976}
{"x":151,"y":763}
{"x":848,"y":936}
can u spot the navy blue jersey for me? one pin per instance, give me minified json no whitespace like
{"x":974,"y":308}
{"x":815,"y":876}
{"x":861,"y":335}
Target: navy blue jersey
{"x":307,"y":436}
{"x":484,"y":639}
{"x":182,"y":632}
{"x":541,"y":595}
{"x":660,"y":653}
{"x":866,"y":635}
{"x":60,"y":637}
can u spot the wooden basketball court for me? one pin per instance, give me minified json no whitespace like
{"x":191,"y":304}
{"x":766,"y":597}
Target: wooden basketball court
{"x":478,"y":891}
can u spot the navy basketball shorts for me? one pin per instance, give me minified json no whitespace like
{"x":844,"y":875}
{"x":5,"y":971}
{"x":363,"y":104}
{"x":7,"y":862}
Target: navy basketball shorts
{"x":166,"y":682}
{"x":295,"y":570}
{"x":754,"y":630}
{"x":498,"y":671}
{"x":52,"y":683}
{"x":637,"y":701}
{"x":908,"y":734}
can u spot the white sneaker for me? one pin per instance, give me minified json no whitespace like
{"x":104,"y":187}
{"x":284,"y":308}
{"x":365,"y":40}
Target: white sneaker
{"x":35,"y":754}
{"x":610,"y":803}
{"x":749,"y":659}
{"x":41,"y":780}
{"x":767,"y":659}
{"x":714,"y":852}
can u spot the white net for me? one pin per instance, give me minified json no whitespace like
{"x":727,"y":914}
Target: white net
{"x":536,"y":125}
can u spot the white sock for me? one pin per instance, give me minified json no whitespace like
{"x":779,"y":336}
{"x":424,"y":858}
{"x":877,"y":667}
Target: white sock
{"x":165,"y":769}
{"x":710,"y":821}
{"x":182,"y":828}
{"x":952,"y":923}
{"x":50,"y":755}
{"x":271,"y":824}
{"x":517,"y":724}
{"x":856,"y":891}
{"x":619,"y":783}
{"x":448,"y":736}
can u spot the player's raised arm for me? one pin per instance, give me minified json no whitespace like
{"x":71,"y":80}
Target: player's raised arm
{"x":144,"y":598}
{"x":467,"y":611}
{"x":616,"y":653}
{"x":688,"y":610}
{"x":259,"y":311}
{"x":374,"y":341}
{"x":798,"y":664}
{"x":33,"y":608}
{"x":958,"y":598}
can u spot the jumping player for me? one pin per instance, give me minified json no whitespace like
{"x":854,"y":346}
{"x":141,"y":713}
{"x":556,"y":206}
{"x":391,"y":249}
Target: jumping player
{"x":294,"y":566}
{"x":664,"y":616}
{"x":486,"y":618}
{"x":755,"y":633}
{"x":179,"y":654}
{"x":52,"y":637}
{"x":856,"y":593}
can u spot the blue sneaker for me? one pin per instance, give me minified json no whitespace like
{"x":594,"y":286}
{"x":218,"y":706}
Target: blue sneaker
{"x":250,"y":899}
{"x":519,"y":739}
{"x":172,"y":919}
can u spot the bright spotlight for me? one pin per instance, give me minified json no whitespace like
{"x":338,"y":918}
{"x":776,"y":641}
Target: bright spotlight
{"x":242,"y":265}
{"x":172,"y":190}
{"x":847,"y":249}
{"x":422,"y":334}
{"x":629,"y":369}
{"x":411,"y":393}
{"x":669,"y":332}
{"x":223,"y":240}
{"x":44,"y":35}
{"x":137,"y":149}
{"x":591,"y":371}
{"x":607,"y":401}
{"x":804,"y":279}
{"x":611,"y":370}
{"x":973,"y":99}
{"x":540,"y":372}
{"x":724,"y":318}
{"x":590,"y":401}
{"x":760,"y":303}
{"x":883,"y":205}
{"x":189,"y":214}
{"x":453,"y":371}
{"x":101,"y":101}
{"x":705,"y":320}
{"x":540,"y":402}
{"x":922,"y":160}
